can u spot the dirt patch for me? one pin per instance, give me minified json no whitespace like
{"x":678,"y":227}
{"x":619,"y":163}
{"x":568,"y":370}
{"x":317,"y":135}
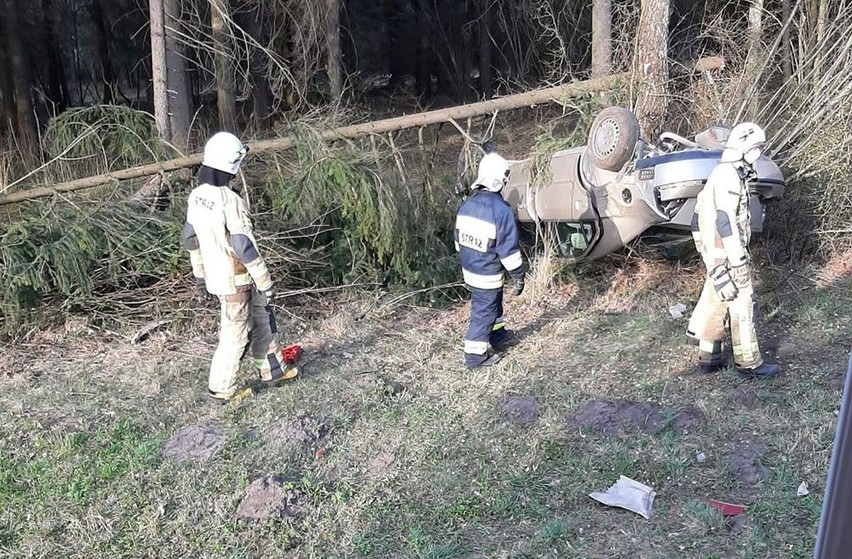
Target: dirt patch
{"x":744,"y":397}
{"x":298,"y":434}
{"x":838,"y":267}
{"x":615,"y":418}
{"x":379,"y":467}
{"x":745,"y":465}
{"x":195,"y":443}
{"x":739,"y":525}
{"x":687,"y":420}
{"x":269,"y":497}
{"x":836,"y":381}
{"x":521,"y":410}
{"x":775,"y":347}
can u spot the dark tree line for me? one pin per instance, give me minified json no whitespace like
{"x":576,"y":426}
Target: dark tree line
{"x":245,"y":60}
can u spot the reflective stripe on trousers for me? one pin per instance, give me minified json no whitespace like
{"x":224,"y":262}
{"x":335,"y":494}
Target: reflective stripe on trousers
{"x":246,"y":320}
{"x":707,"y":325}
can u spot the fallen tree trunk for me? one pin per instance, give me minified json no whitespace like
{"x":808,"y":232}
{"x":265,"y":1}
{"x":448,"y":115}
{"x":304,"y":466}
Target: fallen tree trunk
{"x":527,"y":99}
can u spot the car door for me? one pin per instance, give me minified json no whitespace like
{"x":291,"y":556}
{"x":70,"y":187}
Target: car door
{"x":560,"y":201}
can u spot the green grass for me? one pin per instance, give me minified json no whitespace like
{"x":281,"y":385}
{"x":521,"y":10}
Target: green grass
{"x":431,"y":471}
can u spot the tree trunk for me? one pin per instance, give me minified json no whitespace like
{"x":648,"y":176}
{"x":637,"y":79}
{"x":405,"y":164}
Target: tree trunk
{"x":57,"y":86}
{"x":7,"y":92}
{"x":24,"y":117}
{"x":786,"y":47}
{"x":159,"y":70}
{"x":179,"y":96}
{"x":220,"y":11}
{"x":756,"y":57}
{"x":103,"y":41}
{"x":334,"y":64}
{"x":469,"y":52}
{"x":650,"y":67}
{"x":821,"y":48}
{"x":528,"y":99}
{"x":601,"y":38}
{"x":423,"y":51}
{"x":485,"y":77}
{"x":254,"y":24}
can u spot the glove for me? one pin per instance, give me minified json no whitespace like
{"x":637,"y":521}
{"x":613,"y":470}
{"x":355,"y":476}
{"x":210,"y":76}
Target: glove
{"x":724,"y":285}
{"x":741,"y":276}
{"x":269,"y":292}
{"x":518,"y":286}
{"x":201,"y":292}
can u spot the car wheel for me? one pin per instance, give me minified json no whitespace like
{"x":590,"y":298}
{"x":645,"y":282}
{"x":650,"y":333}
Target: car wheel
{"x":612,"y":138}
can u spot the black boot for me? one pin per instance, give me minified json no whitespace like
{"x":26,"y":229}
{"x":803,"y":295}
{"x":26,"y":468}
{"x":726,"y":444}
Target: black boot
{"x":765,"y":370}
{"x":491,"y":360}
{"x":500,"y":338}
{"x":718,"y":362}
{"x":709,"y":368}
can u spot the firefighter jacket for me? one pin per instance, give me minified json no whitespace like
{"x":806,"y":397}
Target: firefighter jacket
{"x":722,"y":227}
{"x":486,"y":237}
{"x":222,"y":248}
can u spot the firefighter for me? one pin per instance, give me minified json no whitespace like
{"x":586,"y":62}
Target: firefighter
{"x":226,"y":263}
{"x":486,"y":237}
{"x":721,"y":228}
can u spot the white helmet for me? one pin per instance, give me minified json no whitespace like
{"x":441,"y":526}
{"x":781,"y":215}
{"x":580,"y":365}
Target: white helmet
{"x":493,"y":173}
{"x":745,"y":142}
{"x":224,"y":152}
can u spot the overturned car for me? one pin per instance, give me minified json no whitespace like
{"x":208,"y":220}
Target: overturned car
{"x":603,"y":195}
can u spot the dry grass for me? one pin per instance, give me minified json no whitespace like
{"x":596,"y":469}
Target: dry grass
{"x":408,"y":454}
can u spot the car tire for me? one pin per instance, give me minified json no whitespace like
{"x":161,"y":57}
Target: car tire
{"x":612,"y":138}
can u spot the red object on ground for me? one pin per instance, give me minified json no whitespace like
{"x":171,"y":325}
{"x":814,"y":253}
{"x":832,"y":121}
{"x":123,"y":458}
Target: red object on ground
{"x":728,"y":509}
{"x":292,"y":353}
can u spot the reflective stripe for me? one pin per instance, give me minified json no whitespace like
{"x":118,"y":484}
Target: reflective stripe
{"x":494,"y":281}
{"x":709,"y":347}
{"x":475,"y":348}
{"x":513,"y":261}
{"x":458,"y":248}
{"x":242,"y":279}
{"x":476,"y":227}
{"x":498,"y":326}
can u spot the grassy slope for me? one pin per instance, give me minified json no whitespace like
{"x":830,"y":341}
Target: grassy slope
{"x":418,"y":460}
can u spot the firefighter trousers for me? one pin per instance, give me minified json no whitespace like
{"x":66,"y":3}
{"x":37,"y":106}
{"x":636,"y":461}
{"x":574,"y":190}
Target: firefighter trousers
{"x":247,"y":322}
{"x":707,"y":326}
{"x":486,"y":324}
